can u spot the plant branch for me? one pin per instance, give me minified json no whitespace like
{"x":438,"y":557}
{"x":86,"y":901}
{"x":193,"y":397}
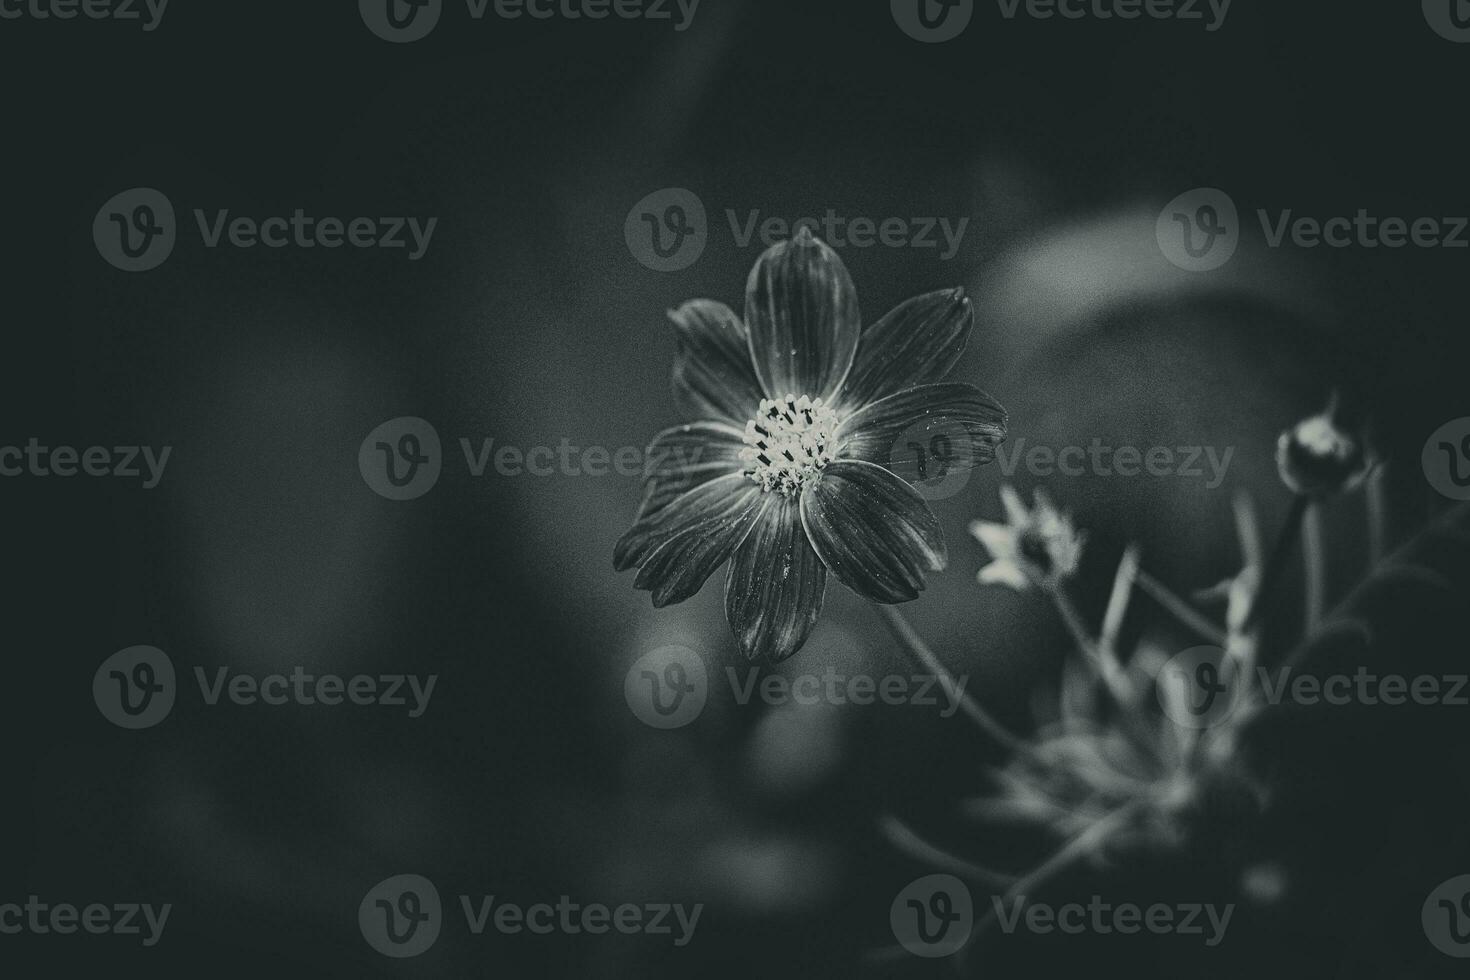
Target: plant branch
{"x":1180,"y":609}
{"x":1280,"y":551}
{"x":1314,"y":556}
{"x":914,"y":644}
{"x":903,"y":837}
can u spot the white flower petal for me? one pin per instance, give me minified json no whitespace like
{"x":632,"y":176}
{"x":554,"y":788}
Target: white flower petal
{"x":998,"y":539}
{"x":1016,"y":512}
{"x":1004,"y":573}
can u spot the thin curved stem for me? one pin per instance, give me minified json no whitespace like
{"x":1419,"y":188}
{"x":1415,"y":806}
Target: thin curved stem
{"x":1118,"y":601}
{"x":1101,"y":659}
{"x":1282,"y":549}
{"x":1105,"y":665}
{"x":1075,"y":624}
{"x":1181,"y":610}
{"x":906,"y":839}
{"x":1314,"y":552}
{"x":1063,"y":858}
{"x":1400,"y":558}
{"x":1374,"y":493}
{"x":914,"y":644}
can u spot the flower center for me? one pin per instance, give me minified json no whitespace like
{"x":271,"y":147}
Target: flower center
{"x":1035,"y":548}
{"x":789,"y":443}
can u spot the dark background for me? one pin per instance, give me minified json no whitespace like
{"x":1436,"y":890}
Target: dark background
{"x":529,"y":321}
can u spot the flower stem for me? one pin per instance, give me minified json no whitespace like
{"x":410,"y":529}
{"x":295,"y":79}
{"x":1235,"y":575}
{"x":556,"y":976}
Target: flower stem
{"x":914,"y":644}
{"x":1348,"y":615}
{"x":1106,"y":665}
{"x":1088,"y":842}
{"x":1374,"y":492}
{"x":1118,"y":602}
{"x":1279,"y":553}
{"x":903,"y":837}
{"x":1180,"y":609}
{"x":1315,"y":559}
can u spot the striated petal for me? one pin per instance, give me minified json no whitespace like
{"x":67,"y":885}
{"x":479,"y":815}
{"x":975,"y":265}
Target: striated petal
{"x":713,"y":376}
{"x":708,"y":505}
{"x":686,"y":456}
{"x":957,"y":426}
{"x":774,"y":589}
{"x":915,"y":344}
{"x":678,"y":567}
{"x":872,"y":530}
{"x":802,"y":312}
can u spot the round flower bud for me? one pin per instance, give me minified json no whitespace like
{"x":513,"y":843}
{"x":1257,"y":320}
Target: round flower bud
{"x":1317,"y":457}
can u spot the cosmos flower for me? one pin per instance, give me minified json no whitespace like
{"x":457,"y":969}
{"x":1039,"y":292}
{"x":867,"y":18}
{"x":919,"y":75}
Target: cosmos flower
{"x":1319,"y":456}
{"x":1033,"y":547}
{"x":789,"y":470}
{"x":1126,"y":758}
{"x":1127,"y":764}
{"x":1117,"y":772}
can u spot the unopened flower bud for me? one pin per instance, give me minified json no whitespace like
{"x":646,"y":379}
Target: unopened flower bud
{"x":1318,"y":456}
